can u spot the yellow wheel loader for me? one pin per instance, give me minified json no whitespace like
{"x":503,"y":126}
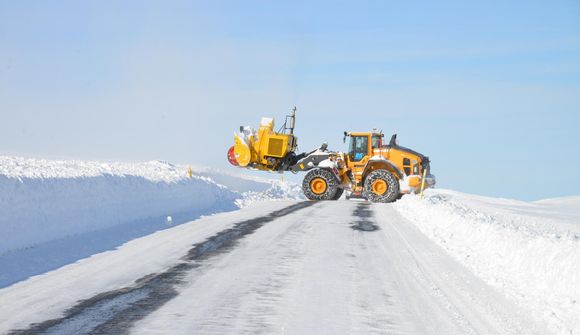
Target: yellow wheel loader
{"x":369,"y":169}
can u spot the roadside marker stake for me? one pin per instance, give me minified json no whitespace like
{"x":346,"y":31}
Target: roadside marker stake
{"x":423,"y":182}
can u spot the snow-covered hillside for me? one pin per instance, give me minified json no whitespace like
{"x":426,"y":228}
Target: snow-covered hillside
{"x":43,"y":201}
{"x":528,"y":250}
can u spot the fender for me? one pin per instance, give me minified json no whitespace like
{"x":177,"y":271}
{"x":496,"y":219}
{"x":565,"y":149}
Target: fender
{"x":384,"y":164}
{"x":331,"y":166}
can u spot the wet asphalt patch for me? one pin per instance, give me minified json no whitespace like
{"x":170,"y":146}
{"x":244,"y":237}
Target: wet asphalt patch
{"x":365,"y":220}
{"x":116,"y":311}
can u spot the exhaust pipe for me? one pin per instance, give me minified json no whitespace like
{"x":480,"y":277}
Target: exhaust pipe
{"x":292,"y":120}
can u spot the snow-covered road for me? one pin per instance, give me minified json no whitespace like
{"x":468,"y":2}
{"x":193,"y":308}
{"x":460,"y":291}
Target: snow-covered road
{"x":343,"y":267}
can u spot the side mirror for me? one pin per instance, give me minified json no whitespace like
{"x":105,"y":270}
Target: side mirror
{"x":344,"y":138}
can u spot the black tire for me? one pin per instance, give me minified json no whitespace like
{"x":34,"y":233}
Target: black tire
{"x":390,"y":194}
{"x":338,"y":194}
{"x":322,"y":174}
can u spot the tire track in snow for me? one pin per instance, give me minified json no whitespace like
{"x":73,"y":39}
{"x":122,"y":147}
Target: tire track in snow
{"x":375,"y":308}
{"x":274,"y":288}
{"x":365,"y":221}
{"x":114,"y":312}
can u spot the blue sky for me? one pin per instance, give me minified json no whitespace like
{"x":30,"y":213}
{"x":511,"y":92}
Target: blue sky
{"x":489,"y":90}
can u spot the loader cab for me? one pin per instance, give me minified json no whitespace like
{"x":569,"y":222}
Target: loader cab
{"x":361,"y":145}
{"x":360,"y":150}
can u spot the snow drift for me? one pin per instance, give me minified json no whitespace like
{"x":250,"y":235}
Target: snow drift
{"x":47,"y":200}
{"x":529,"y":251}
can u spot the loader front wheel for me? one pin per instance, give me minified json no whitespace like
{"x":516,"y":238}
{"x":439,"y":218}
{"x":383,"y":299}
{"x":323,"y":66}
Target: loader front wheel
{"x":320,"y":184}
{"x":381,"y":186}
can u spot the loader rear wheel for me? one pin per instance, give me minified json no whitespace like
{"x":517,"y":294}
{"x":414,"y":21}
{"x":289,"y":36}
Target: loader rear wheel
{"x":381,"y":186}
{"x":320,"y":184}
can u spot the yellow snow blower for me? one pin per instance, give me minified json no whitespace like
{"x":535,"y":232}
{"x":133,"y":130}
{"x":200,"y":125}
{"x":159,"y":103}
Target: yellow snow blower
{"x":370,"y":169}
{"x":265,"y":149}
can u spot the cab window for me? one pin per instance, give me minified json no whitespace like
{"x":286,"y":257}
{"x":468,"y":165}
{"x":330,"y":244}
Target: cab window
{"x":376,"y":141}
{"x":358,"y":148}
{"x":407,"y":166}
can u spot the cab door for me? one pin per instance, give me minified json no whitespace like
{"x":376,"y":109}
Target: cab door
{"x":358,"y":155}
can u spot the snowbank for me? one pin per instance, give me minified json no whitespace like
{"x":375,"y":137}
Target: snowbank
{"x":48,"y":295}
{"x":44,"y":200}
{"x":530,"y":251}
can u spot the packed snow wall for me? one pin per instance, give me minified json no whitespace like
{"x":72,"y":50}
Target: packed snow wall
{"x":36,"y":210}
{"x":530,"y":251}
{"x":44,"y":200}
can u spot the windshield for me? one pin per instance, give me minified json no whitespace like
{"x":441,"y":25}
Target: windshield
{"x":358,"y":148}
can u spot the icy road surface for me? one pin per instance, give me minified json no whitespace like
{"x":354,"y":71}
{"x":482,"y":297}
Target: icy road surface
{"x":342,"y":267}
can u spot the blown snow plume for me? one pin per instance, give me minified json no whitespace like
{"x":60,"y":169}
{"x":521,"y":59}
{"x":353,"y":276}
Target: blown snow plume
{"x":277,"y":191}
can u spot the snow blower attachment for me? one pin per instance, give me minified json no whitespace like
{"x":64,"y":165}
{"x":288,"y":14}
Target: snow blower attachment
{"x":369,"y":170}
{"x":265,"y":149}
